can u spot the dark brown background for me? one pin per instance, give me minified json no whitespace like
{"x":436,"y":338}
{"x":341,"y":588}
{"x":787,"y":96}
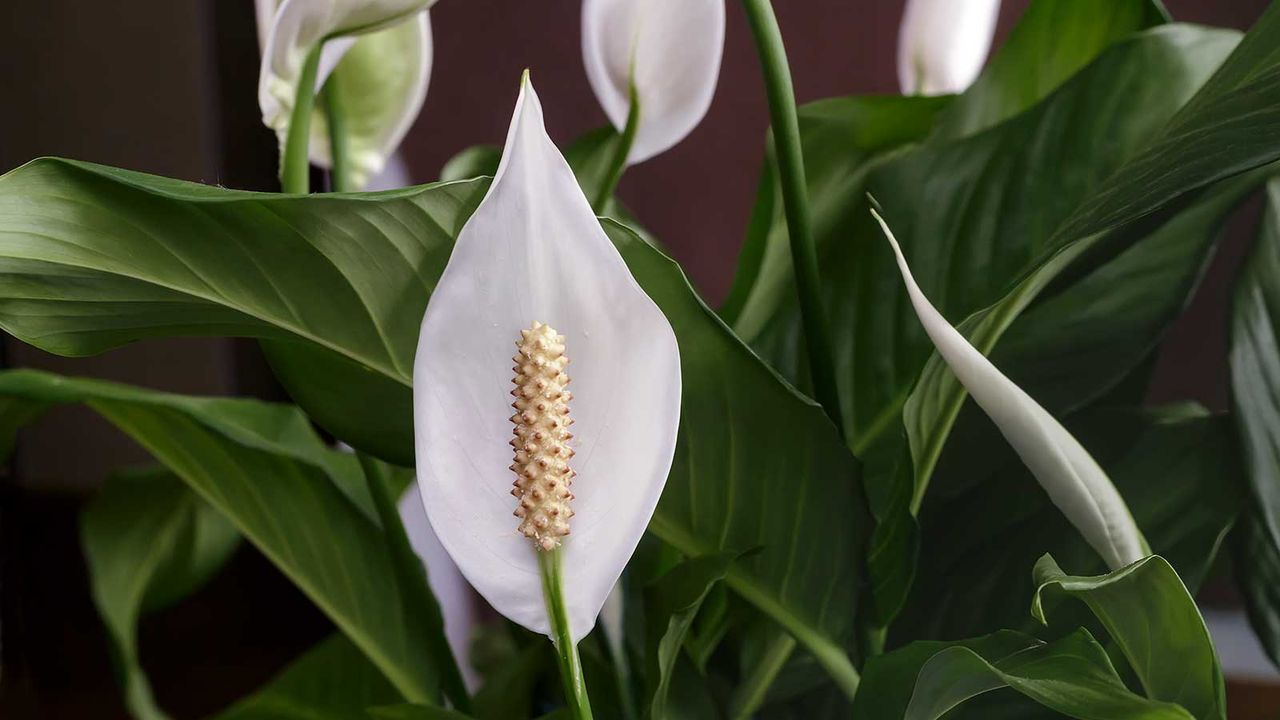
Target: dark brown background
{"x":168,"y":86}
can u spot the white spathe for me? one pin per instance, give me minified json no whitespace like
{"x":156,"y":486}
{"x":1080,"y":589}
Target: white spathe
{"x":534,"y":250}
{"x":383,"y":73}
{"x":1069,"y":474}
{"x":943,"y":44}
{"x":670,"y":49}
{"x":457,"y":602}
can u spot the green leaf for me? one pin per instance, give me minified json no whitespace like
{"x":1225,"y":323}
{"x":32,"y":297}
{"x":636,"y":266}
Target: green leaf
{"x":1255,"y":357}
{"x":508,"y":690}
{"x":1229,"y":127}
{"x":1072,"y":676}
{"x":1149,"y":613}
{"x":148,"y":542}
{"x":973,"y":209}
{"x":263,"y":467}
{"x":671,"y":605}
{"x":590,"y":157}
{"x":92,"y":257}
{"x":1257,"y":573}
{"x":473,"y":162}
{"x":865,"y":130}
{"x":1175,"y":467}
{"x":332,"y":681}
{"x":889,"y":679}
{"x":1080,"y":342}
{"x":757,"y":465}
{"x":1255,"y":389}
{"x":413,"y":712}
{"x":977,"y":214}
{"x":1052,"y":41}
{"x":937,"y":397}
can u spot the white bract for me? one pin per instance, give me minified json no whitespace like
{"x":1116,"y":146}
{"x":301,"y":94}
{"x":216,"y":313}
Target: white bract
{"x":1072,"y":478}
{"x":447,"y":584}
{"x":379,"y":54}
{"x":669,"y":49}
{"x":533,"y":251}
{"x":943,"y":44}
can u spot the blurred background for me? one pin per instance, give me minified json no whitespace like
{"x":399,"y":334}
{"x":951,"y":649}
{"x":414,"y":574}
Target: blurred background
{"x":169,"y":87}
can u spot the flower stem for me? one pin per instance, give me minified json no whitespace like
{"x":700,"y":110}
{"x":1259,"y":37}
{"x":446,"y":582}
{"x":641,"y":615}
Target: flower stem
{"x":411,"y":581}
{"x":335,"y":114}
{"x":575,"y":688}
{"x":618,"y":163}
{"x":795,"y":198}
{"x":295,"y":166}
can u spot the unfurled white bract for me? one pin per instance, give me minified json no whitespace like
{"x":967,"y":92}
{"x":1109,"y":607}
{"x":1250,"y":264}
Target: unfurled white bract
{"x":533,"y":251}
{"x":1069,"y":474}
{"x":943,"y":44}
{"x":669,"y":49}
{"x":380,"y":51}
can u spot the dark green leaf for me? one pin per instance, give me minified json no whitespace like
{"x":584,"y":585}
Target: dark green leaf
{"x":1255,"y":365}
{"x":1072,"y":676}
{"x":1052,"y":41}
{"x":1149,"y":613}
{"x":1257,"y":572}
{"x":1176,"y":469}
{"x":149,"y":542}
{"x":671,"y":605}
{"x":979,"y":210}
{"x":841,"y":138}
{"x":889,"y":679}
{"x":473,"y":162}
{"x":590,"y":157}
{"x":1255,"y":388}
{"x":332,"y":681}
{"x":92,"y":257}
{"x":1229,"y":127}
{"x":757,"y":465}
{"x":508,"y":691}
{"x":973,"y":211}
{"x":263,"y":467}
{"x":413,"y":712}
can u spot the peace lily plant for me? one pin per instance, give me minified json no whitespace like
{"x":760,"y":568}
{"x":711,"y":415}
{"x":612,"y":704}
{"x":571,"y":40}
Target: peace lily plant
{"x":782,"y":507}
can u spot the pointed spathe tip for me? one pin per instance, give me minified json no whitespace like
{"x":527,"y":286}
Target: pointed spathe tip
{"x":525,"y":79}
{"x":875,"y":213}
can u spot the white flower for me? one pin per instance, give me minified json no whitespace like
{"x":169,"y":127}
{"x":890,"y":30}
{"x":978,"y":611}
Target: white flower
{"x":533,"y":252}
{"x":669,"y":49}
{"x":451,"y":590}
{"x":383,"y":73}
{"x":1072,"y":478}
{"x":943,"y":44}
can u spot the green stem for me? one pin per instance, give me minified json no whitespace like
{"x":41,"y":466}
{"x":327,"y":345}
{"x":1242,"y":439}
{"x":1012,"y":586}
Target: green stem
{"x":411,"y":581}
{"x":795,"y":198}
{"x":618,"y":163}
{"x":295,"y":166}
{"x":339,"y":148}
{"x":755,"y":688}
{"x":575,"y":688}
